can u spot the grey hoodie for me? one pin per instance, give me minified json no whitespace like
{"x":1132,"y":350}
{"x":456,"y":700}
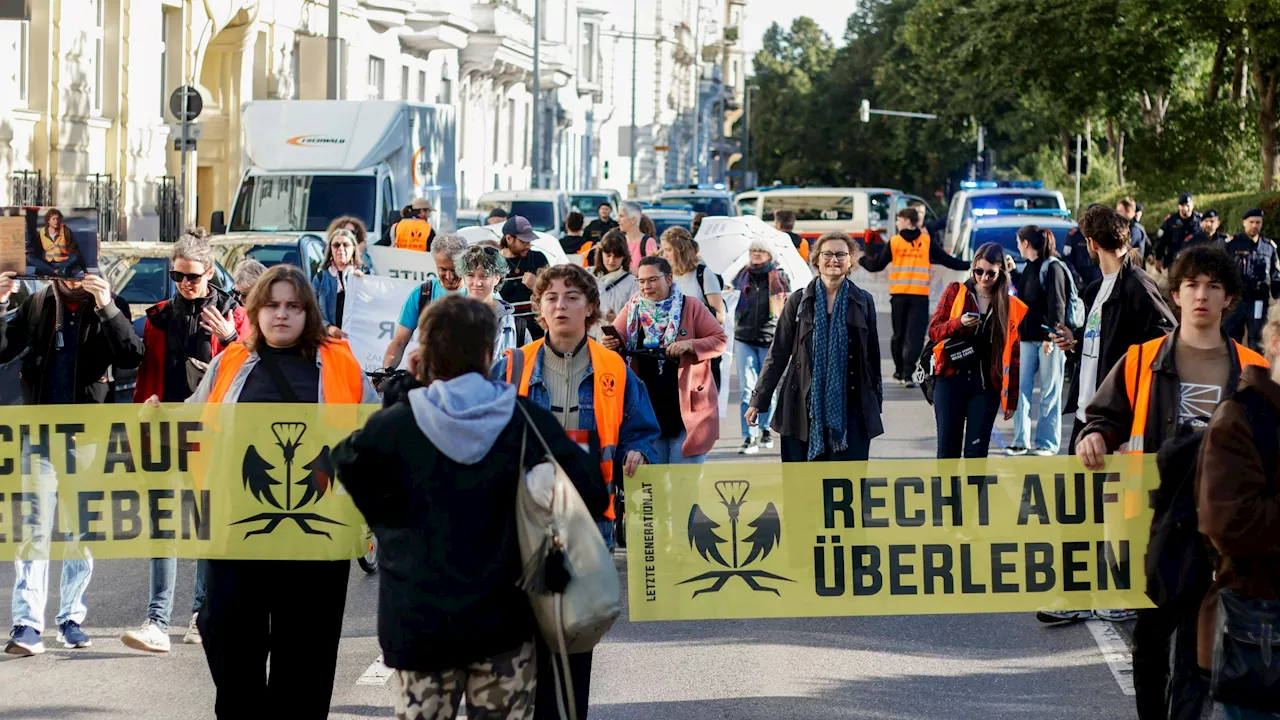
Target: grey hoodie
{"x":463,"y":417}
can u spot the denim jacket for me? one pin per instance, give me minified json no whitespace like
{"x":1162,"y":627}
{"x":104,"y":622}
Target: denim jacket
{"x":325,"y":284}
{"x":639,"y":423}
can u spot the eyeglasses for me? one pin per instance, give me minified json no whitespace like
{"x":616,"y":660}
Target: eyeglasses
{"x":337,"y":245}
{"x":828,"y":255}
{"x":178,"y":277}
{"x":979,"y":272}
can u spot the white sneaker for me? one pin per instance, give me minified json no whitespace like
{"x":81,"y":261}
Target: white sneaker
{"x":1115,"y":615}
{"x":193,"y":632}
{"x":148,"y":638}
{"x":1044,"y":452}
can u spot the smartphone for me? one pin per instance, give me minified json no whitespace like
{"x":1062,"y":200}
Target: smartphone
{"x":611,"y":331}
{"x":972,"y":315}
{"x":1051,"y":331}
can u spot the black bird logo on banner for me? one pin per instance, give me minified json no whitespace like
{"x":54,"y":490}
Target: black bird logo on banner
{"x":766,"y":535}
{"x":259,"y":481}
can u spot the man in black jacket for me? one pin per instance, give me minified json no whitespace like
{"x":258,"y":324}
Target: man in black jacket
{"x":74,"y":332}
{"x":1210,"y":232}
{"x":1176,"y":231}
{"x":1256,"y":257}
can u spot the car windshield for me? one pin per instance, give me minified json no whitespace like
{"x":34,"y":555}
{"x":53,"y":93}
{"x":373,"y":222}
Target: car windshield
{"x":700,"y":203}
{"x":995,"y":204}
{"x":662,"y":223}
{"x":589,"y":205}
{"x":541,"y":214}
{"x":141,"y":281}
{"x":1008,"y":237}
{"x":810,"y":207}
{"x":298,"y":203}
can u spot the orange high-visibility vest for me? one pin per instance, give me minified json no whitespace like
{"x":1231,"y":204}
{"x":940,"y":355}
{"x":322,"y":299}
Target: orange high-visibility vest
{"x":909,"y":271}
{"x":1017,"y":311}
{"x":341,"y":376}
{"x":609,"y":377}
{"x":1138,"y":377}
{"x":412,"y":234}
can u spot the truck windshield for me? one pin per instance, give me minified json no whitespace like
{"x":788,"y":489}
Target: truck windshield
{"x":298,"y":203}
{"x":541,"y":214}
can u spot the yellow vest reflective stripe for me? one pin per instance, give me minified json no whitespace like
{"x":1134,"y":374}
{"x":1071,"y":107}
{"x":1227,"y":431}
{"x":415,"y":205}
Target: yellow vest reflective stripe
{"x":1017,"y":311}
{"x":909,"y":270}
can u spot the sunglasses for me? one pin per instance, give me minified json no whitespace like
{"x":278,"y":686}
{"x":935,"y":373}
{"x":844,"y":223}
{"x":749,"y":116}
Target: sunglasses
{"x":178,"y":277}
{"x":978,"y":272}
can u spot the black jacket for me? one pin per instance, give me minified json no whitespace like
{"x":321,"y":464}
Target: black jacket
{"x":1047,"y":304}
{"x":754,"y":323}
{"x":790,"y":362}
{"x":1174,"y":233}
{"x":1138,"y":239}
{"x":1258,"y":266}
{"x":597,"y":228}
{"x":1134,"y":314}
{"x":1075,"y":253}
{"x":107,"y":340}
{"x":449,"y":557}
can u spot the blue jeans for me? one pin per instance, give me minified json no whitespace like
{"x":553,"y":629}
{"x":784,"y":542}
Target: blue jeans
{"x":749,"y":360}
{"x":31,"y":577}
{"x":965,"y":413}
{"x":164,"y":574}
{"x":1235,"y":712}
{"x":667,"y":451}
{"x":1047,"y":369}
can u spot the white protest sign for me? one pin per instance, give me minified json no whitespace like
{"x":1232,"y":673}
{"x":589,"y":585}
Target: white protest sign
{"x":369,"y":317}
{"x":401,"y":264}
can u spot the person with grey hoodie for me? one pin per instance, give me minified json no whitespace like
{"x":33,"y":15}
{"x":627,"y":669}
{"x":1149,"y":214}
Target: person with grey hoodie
{"x":436,"y":476}
{"x":482,"y":270}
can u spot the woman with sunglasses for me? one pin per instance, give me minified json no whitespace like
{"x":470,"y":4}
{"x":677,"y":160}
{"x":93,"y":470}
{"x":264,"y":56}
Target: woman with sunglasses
{"x":341,"y":262}
{"x":976,"y":352}
{"x":826,"y":355}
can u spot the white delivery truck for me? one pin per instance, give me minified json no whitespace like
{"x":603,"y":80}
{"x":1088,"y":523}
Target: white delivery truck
{"x":309,"y":161}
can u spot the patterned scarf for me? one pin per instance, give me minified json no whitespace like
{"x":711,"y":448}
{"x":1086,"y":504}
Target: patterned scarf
{"x":779,"y":285}
{"x":654,"y":324}
{"x":827,"y":396}
{"x":61,"y":296}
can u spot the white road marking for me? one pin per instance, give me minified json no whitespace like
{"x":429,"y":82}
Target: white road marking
{"x":377,"y":674}
{"x":1115,"y":652}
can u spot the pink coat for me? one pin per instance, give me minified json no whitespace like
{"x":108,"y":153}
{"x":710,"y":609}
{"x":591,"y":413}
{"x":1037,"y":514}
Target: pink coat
{"x":699,"y":406}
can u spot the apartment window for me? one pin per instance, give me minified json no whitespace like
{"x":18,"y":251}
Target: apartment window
{"x":404,"y":82}
{"x":445,"y":96}
{"x":377,"y":78}
{"x":24,"y":60}
{"x":733,"y":74}
{"x":422,"y":86}
{"x":525,"y":154}
{"x":99,"y":52}
{"x":511,"y":132}
{"x":296,"y":69}
{"x":497,"y":129}
{"x":164,"y":61}
{"x":587,"y":60}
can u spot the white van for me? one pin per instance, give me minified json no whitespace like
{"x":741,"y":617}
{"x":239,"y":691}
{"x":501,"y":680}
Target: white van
{"x":819,"y":210}
{"x":545,"y":210}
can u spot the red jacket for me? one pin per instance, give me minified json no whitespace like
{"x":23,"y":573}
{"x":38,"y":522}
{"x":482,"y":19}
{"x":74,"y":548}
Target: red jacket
{"x":151,"y":371}
{"x":942,"y":326}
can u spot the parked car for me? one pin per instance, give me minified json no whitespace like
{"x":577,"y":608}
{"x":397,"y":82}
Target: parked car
{"x":712,"y":201}
{"x":545,"y":210}
{"x":667,"y":216}
{"x":305,"y":251}
{"x":1003,"y":229}
{"x":588,"y":202}
{"x":860,"y":212}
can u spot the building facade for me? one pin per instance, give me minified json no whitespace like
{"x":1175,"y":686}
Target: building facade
{"x":85,"y":88}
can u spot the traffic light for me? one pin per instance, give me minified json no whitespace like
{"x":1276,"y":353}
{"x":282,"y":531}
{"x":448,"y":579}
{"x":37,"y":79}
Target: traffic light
{"x":864,"y":111}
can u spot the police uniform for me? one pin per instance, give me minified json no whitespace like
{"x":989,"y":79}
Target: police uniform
{"x":1260,"y":271}
{"x":1175,"y":233}
{"x":1075,"y":250}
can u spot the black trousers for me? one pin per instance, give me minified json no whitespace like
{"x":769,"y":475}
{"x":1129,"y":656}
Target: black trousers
{"x":1076,"y":426}
{"x":1168,"y":682}
{"x":579,"y":671}
{"x":288,"y":611}
{"x":1245,"y":318}
{"x":965,"y":412}
{"x":910,"y":315}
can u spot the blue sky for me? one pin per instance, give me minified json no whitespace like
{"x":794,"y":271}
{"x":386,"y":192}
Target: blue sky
{"x":830,"y":14}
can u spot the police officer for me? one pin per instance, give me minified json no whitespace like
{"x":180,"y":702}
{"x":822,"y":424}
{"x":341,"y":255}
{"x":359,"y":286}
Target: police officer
{"x":1176,"y":231}
{"x":1256,"y":257}
{"x":1128,"y":209}
{"x":1075,"y":251}
{"x":1210,"y":232}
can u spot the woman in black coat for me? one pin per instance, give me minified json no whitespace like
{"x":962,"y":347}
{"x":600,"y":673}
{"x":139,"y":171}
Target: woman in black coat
{"x":436,"y":477}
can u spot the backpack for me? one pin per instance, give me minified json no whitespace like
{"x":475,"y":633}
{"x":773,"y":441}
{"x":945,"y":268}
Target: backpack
{"x":1179,"y":562}
{"x":424,"y":295}
{"x":1075,"y":306}
{"x":702,"y":273}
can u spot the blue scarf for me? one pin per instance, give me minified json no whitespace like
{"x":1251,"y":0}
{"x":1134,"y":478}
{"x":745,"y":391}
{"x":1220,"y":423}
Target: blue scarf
{"x":828,"y":396}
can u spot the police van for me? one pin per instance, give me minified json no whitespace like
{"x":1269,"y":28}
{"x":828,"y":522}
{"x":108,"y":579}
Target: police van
{"x":990,"y":198}
{"x":861,"y":212}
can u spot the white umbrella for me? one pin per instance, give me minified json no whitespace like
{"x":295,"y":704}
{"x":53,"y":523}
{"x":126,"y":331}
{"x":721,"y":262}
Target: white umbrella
{"x":725,"y":244}
{"x":546,"y":244}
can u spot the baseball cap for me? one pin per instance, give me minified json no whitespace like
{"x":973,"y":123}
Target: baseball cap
{"x":1184,"y":198}
{"x":519,"y":227}
{"x":1255,"y":212}
{"x":421,"y":204}
{"x":1210,"y":213}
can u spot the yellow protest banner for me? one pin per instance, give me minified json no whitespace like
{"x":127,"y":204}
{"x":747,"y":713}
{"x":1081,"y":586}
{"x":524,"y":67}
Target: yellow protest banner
{"x":892,"y":537}
{"x":251,"y":481}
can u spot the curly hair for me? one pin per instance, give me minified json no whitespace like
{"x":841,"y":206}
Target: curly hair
{"x":1202,"y":259}
{"x":1106,"y":227}
{"x":486,"y":259}
{"x":573,"y":276}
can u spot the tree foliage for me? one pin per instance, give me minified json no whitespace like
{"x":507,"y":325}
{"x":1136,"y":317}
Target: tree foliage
{"x":1172,"y":95}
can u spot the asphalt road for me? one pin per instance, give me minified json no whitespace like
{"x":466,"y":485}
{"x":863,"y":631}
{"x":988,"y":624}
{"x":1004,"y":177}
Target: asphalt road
{"x":962,"y":667}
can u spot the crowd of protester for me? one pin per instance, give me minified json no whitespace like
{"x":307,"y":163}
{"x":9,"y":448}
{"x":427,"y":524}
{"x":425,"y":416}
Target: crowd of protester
{"x":614,"y":360}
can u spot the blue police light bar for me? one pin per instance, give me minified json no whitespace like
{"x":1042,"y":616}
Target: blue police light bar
{"x":997,"y":184}
{"x":1044,"y":212}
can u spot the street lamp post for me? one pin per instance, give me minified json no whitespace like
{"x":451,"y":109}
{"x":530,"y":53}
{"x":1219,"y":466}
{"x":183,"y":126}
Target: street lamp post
{"x":537,"y":92}
{"x":635,"y":23}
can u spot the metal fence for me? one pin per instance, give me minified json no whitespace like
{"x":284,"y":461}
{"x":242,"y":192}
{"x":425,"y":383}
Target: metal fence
{"x":30,"y":189}
{"x":104,"y":195}
{"x":168,"y":209}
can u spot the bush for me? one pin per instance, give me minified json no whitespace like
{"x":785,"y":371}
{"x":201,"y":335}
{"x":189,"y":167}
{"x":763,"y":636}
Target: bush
{"x":1231,"y":206}
{"x":1203,"y":148}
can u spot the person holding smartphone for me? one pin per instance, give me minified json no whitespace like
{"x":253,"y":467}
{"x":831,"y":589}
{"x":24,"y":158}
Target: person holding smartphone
{"x":976,"y":355}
